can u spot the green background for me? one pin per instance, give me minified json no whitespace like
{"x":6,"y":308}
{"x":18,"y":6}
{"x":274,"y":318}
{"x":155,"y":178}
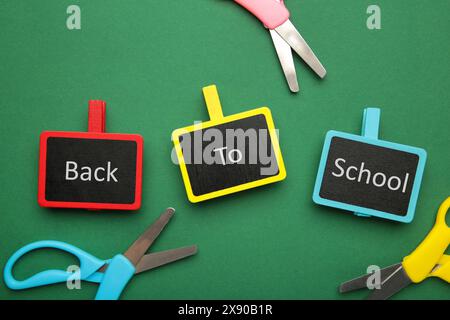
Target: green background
{"x":149,"y":60}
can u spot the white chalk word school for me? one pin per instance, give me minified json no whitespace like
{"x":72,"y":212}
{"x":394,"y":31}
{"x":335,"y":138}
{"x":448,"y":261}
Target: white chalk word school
{"x":363,"y":175}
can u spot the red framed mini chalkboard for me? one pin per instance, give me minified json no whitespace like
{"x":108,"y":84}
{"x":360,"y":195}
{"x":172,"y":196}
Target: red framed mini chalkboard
{"x":91,"y":170}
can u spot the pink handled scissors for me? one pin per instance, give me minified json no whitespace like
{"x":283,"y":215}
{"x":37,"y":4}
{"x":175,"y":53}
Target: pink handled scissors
{"x":275,"y":16}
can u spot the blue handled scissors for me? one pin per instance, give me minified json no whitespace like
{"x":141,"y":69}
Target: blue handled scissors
{"x":112,"y":275}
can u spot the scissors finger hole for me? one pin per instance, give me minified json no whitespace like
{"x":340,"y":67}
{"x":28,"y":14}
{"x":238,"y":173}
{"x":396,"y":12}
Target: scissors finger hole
{"x":43,"y":259}
{"x":447,"y":218}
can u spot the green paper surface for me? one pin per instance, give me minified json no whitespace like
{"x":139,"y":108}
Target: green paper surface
{"x":149,"y":60}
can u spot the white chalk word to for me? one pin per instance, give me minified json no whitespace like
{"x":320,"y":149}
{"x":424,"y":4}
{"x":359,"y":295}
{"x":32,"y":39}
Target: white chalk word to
{"x":374,"y":19}
{"x":99,"y":174}
{"x":73,"y":21}
{"x":234,"y":155}
{"x":363,"y":175}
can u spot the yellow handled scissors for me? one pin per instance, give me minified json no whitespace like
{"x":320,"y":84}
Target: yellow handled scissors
{"x":428,"y":260}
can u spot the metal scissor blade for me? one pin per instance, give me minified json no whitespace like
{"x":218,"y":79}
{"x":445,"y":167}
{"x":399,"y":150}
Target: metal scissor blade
{"x":361,"y":282}
{"x":284,"y":53}
{"x":154,"y":260}
{"x":393,"y":284}
{"x":141,"y":245}
{"x":290,"y":34}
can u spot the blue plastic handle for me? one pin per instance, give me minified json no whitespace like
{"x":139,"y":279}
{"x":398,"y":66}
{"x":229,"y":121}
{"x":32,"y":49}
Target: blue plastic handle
{"x":120,"y":271}
{"x":88,"y":266}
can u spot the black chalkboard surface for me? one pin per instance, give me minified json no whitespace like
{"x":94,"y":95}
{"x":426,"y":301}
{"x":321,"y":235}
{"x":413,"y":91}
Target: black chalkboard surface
{"x":369,"y":176}
{"x":90,"y":170}
{"x":205,"y":177}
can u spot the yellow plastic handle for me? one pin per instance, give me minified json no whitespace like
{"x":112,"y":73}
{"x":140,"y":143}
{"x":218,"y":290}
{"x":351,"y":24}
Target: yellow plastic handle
{"x":443,"y":269}
{"x":420,"y":263}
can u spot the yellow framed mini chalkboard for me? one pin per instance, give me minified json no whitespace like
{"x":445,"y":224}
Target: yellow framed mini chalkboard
{"x":228,"y":154}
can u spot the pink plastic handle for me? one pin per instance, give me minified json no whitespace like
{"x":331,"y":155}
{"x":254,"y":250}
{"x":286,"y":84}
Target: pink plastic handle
{"x":271,"y":13}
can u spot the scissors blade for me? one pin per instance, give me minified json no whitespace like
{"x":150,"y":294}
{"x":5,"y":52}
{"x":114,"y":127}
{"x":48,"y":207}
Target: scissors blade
{"x":390,"y":286}
{"x":157,"y":259}
{"x":290,"y":34}
{"x":141,"y":245}
{"x":284,"y":53}
{"x":361,"y":282}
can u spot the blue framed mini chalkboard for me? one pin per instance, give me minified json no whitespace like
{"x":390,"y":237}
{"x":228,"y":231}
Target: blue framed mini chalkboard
{"x":368,"y":176}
